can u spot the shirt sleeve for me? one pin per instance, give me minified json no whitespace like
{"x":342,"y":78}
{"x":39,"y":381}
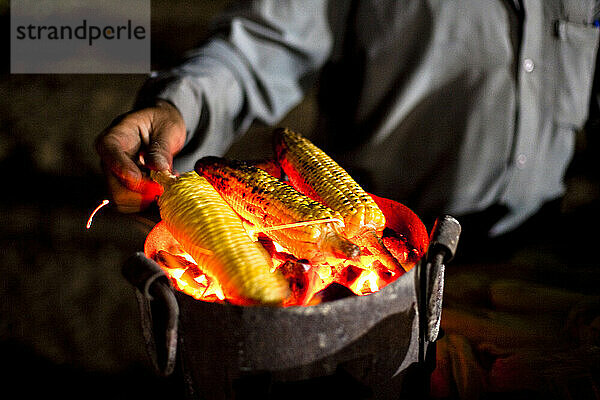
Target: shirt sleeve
{"x":256,"y":64}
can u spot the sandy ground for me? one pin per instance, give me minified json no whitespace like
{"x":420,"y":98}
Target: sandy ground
{"x":69,"y":323}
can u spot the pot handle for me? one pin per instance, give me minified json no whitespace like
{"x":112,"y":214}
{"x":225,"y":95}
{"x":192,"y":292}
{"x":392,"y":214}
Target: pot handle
{"x":442,"y":248}
{"x":159,"y":310}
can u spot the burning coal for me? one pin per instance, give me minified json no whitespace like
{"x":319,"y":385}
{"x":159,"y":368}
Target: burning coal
{"x":309,"y":283}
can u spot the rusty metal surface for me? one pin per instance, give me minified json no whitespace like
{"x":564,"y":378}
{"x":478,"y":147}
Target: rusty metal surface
{"x":442,"y":248}
{"x":159,"y":311}
{"x":374,"y":339}
{"x":268,"y":338}
{"x":434,"y":310}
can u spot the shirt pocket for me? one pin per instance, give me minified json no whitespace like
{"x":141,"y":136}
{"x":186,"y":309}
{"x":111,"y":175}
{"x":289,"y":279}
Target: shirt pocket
{"x":576,"y":49}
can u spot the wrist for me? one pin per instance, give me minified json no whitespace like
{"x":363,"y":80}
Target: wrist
{"x":168,"y":107}
{"x":169,"y":112}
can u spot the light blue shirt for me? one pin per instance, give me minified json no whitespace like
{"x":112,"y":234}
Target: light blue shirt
{"x":450,"y":105}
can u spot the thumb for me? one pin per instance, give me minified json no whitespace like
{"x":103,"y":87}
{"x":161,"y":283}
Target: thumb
{"x":159,"y":155}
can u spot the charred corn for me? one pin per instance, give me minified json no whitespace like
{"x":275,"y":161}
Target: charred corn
{"x":267,"y":203}
{"x":317,"y":175}
{"x":213,"y":234}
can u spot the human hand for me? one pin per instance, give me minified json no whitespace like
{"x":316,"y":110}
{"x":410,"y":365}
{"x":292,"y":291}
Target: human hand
{"x":137,"y":141}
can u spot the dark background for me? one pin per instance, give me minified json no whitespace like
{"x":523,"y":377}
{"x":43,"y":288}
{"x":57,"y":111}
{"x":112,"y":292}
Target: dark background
{"x":69,"y":324}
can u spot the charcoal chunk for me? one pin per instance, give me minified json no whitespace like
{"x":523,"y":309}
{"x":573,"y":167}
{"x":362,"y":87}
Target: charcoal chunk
{"x":333,"y":291}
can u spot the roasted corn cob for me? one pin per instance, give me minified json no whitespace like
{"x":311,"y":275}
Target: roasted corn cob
{"x":213,"y":234}
{"x":318,"y":176}
{"x":266,"y":202}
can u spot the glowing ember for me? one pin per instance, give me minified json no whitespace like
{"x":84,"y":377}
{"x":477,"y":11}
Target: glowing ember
{"x":324,"y":272}
{"x":279,"y":248}
{"x":366,"y":283}
{"x":305,"y":279}
{"x":362,"y":277}
{"x":89,"y":222}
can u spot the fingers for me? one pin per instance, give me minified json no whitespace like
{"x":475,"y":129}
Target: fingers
{"x":166,"y":137}
{"x":129,"y":201}
{"x":143,"y":139}
{"x":117,"y":149}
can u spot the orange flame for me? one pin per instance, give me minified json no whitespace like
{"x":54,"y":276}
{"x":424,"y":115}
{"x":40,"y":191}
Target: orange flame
{"x":186,"y":275}
{"x":366,"y":283}
{"x":408,"y":242}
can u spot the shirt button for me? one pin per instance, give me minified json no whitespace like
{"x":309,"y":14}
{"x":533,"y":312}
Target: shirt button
{"x":521,"y":160}
{"x":528,"y":65}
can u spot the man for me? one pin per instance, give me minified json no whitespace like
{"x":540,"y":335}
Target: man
{"x":464,"y":107}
